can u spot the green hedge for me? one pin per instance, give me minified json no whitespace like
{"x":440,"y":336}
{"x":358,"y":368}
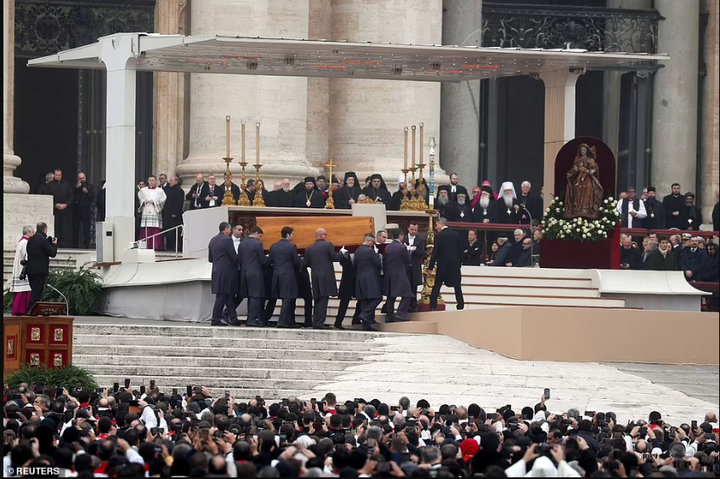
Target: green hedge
{"x":68,"y":377}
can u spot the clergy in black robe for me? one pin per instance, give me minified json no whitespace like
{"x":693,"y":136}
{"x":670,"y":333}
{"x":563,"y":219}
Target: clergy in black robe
{"x":397,"y":281}
{"x":62,"y":194}
{"x":397,"y":197}
{"x":377,"y":190}
{"x":172,"y":213}
{"x":309,"y":196}
{"x":283,"y":257}
{"x":83,"y":198}
{"x":716,"y":217}
{"x":486,"y":207}
{"x":252,"y":286}
{"x":454,"y":188}
{"x":367,"y":282}
{"x":655,"y":219}
{"x":459,"y":210}
{"x":675,"y":210}
{"x":529,"y":202}
{"x":508,"y":206}
{"x":693,"y":213}
{"x":250,"y":190}
{"x":224,"y":259}
{"x":282,"y":198}
{"x":347,"y":195}
{"x":319,"y":257}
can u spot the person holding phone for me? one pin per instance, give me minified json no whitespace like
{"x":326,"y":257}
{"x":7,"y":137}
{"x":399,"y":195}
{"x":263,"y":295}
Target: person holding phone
{"x":40,"y":248}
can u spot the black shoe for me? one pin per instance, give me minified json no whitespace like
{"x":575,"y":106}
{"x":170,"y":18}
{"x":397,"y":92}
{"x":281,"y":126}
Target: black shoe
{"x":339,"y":327}
{"x":399,"y":319}
{"x":288,"y":326}
{"x":324,"y":326}
{"x":263,"y":324}
{"x":390,"y":318}
{"x":252,"y":324}
{"x":368,"y":327}
{"x":218,"y":322}
{"x":356,"y":321}
{"x":460,"y":307}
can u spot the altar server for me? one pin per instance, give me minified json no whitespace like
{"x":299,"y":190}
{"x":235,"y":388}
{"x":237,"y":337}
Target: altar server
{"x":152,"y":199}
{"x":18,"y":283}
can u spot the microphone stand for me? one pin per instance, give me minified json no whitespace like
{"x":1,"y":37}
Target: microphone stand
{"x":67,"y":303}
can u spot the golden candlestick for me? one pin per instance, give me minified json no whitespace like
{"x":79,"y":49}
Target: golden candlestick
{"x":257,"y":144}
{"x":228,"y":196}
{"x":330,"y":203}
{"x":406,"y":203}
{"x":258,"y":200}
{"x":244,"y":199}
{"x":429,"y":274}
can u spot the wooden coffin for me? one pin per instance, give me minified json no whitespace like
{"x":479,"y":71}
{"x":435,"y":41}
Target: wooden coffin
{"x":342,"y":230}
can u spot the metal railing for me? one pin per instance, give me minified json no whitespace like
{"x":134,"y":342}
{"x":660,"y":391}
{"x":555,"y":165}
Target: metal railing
{"x":136,"y":244}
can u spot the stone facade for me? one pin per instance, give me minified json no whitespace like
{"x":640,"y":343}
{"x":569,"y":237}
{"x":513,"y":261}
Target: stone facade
{"x":710,"y":147}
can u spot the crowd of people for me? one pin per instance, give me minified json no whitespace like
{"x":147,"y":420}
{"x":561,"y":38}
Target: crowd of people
{"x":145,"y":432}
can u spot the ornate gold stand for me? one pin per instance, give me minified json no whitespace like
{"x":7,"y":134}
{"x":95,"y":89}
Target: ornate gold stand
{"x":428,"y":274}
{"x":406,"y":204}
{"x":228,"y":199}
{"x":244,"y":200}
{"x":258,"y":201}
{"x":330,"y":203}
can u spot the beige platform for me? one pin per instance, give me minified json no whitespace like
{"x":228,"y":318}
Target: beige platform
{"x":577,"y":334}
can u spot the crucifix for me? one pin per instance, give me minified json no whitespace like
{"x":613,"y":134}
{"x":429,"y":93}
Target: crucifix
{"x":330,"y":203}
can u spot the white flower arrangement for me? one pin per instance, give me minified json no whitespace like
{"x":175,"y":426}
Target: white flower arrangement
{"x":555,"y":226}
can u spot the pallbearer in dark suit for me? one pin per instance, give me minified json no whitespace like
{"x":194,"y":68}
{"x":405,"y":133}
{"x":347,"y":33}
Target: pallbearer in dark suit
{"x":346,"y":291}
{"x":319,"y":257}
{"x":397,"y":281}
{"x":418,"y":251}
{"x":285,"y":262}
{"x":447,"y":253}
{"x":222,"y":255}
{"x":252,"y":287}
{"x":367,"y":281}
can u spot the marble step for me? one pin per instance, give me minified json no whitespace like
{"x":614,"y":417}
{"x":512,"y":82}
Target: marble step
{"x":504,"y":289}
{"x":165,"y":348}
{"x":152,"y":371}
{"x":219,"y":384}
{"x":519,"y":300}
{"x":152,"y":361}
{"x":211,"y":342}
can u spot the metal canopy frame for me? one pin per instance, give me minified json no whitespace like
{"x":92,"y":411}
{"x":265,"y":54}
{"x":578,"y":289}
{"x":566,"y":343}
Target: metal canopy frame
{"x":321,"y":58}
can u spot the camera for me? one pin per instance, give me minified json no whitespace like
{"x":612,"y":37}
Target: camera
{"x":544,"y":449}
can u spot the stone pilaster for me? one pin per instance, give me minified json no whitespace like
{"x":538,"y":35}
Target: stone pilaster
{"x":278,"y":103}
{"x":675,"y":100}
{"x":11,"y":184}
{"x":169,"y":91}
{"x":460,"y":102}
{"x":367,"y":117}
{"x":318,"y":95}
{"x":710,"y":115}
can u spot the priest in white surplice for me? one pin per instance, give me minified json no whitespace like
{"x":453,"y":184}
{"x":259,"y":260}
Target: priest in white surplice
{"x":152,"y":200}
{"x":18,"y":284}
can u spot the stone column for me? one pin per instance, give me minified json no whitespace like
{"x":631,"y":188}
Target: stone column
{"x":318,"y":95}
{"x":611,"y":84}
{"x":278,"y":103}
{"x":710,"y":116}
{"x":675,"y":108}
{"x":11,"y":184}
{"x":460,"y":102}
{"x":367,"y":117}
{"x":169,"y":92}
{"x":559,"y":122}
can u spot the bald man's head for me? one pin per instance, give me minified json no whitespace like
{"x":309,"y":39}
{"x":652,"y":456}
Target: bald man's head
{"x":320,"y":233}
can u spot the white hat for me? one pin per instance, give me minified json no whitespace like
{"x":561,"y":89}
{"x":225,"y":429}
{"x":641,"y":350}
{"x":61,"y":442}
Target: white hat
{"x":401,"y":179}
{"x":656,"y":451}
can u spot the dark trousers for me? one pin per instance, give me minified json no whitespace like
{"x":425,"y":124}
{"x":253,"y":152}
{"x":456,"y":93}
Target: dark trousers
{"x":287,"y":312}
{"x":37,"y":285}
{"x":402,"y":310}
{"x":172,"y":238}
{"x":368,"y":307}
{"x":320,"y":312}
{"x":342,"y":311}
{"x":269,"y":309}
{"x":255,"y":312}
{"x":81,"y":228}
{"x":224,"y":301}
{"x":308,"y":311}
{"x":436,"y":292}
{"x":63,"y":228}
{"x":238,"y":296}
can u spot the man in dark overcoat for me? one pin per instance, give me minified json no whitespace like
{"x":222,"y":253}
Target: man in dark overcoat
{"x":418,"y":251}
{"x":224,"y":259}
{"x":319,"y":257}
{"x":286,"y":263}
{"x":447,"y":253}
{"x":252,"y":285}
{"x":397,"y":281}
{"x":346,"y":291}
{"x":367,"y":282}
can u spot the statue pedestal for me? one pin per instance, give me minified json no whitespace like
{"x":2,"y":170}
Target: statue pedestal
{"x":576,"y":254}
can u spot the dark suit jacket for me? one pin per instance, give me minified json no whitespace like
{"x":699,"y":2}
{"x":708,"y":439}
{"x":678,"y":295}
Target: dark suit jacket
{"x":62,"y":192}
{"x":632,"y":257}
{"x":524,"y":259}
{"x":471,"y":256}
{"x":279,"y":198}
{"x":319,"y":257}
{"x":83,"y":201}
{"x":655,"y":215}
{"x":285,"y":261}
{"x":657,"y":262}
{"x":453,"y":196}
{"x":533,"y":205}
{"x":252,"y":260}
{"x":221,"y":253}
{"x":675,"y":203}
{"x":347,"y":280}
{"x":716,"y":217}
{"x":418,"y":259}
{"x":367,"y":281}
{"x":199,"y":202}
{"x":691,"y":261}
{"x":447,"y":253}
{"x":397,"y":264}
{"x":39,"y":252}
{"x":173,"y":209}
{"x":503,"y":255}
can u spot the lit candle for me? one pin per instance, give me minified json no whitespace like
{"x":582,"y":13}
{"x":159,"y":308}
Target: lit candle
{"x":406,"y":147}
{"x":242,"y":133}
{"x":257,"y":143}
{"x":227,"y":136}
{"x":420,"y":153}
{"x":413,"y":146}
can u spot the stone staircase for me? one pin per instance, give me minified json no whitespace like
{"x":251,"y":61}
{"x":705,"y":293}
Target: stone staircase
{"x":272,"y":363}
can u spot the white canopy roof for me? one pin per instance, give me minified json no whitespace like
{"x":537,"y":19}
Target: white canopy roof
{"x":321,"y":58}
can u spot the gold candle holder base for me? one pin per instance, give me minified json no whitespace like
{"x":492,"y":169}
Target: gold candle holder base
{"x":428,"y":274}
{"x":244,"y":199}
{"x":258,"y":201}
{"x":228,"y":199}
